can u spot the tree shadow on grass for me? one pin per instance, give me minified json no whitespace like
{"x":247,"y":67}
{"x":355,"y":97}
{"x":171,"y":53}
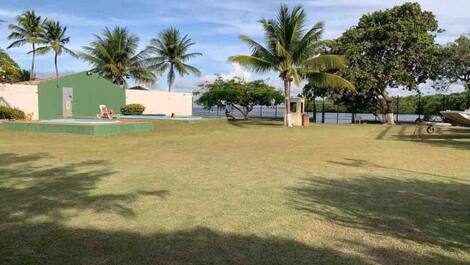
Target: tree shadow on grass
{"x":427,"y":212}
{"x":393,"y":256}
{"x":256,"y":121}
{"x":361,"y":163}
{"x":52,"y":244}
{"x":29,"y":190}
{"x":442,"y":137}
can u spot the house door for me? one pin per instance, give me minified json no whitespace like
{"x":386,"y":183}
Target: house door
{"x":67,"y":101}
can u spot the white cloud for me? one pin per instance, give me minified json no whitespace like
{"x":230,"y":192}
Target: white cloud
{"x":237,"y":71}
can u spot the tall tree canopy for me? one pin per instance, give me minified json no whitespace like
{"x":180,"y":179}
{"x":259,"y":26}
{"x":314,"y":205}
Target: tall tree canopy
{"x":170,"y":52}
{"x":391,"y":48}
{"x":292,"y":50}
{"x":114,"y":56}
{"x":28,"y":29}
{"x":240,"y":95}
{"x":456,"y":62}
{"x":54,"y":39}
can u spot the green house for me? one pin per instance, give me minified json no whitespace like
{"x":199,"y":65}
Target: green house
{"x":78,"y":95}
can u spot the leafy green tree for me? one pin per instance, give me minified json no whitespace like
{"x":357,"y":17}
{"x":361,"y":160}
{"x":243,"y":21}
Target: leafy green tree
{"x":169,"y":52}
{"x":54,"y":39}
{"x":292,"y":51}
{"x":24,"y":75}
{"x":240,"y":95}
{"x":311,"y":93}
{"x":28,"y":29}
{"x":391,"y":48}
{"x":114,"y":56}
{"x":457,"y":61}
{"x":455,"y":66}
{"x":9,"y":69}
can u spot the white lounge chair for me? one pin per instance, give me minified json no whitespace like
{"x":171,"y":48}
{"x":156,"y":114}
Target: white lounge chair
{"x":106,"y":113}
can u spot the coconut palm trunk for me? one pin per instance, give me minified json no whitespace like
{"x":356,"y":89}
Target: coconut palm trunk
{"x":287,"y":101}
{"x":171,"y":74}
{"x":56,"y":66}
{"x":32,"y":76}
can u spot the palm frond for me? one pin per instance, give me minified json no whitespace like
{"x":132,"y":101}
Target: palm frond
{"x":192,"y":69}
{"x":330,"y":81}
{"x":326,"y":63}
{"x":255,"y":63}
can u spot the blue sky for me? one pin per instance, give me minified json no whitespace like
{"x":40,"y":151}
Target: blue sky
{"x":213,"y":24}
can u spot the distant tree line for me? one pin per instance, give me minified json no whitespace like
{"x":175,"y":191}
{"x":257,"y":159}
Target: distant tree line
{"x":427,"y":106}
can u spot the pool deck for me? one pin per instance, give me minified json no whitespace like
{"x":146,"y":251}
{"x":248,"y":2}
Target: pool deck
{"x":121,"y":127}
{"x":150,"y":117}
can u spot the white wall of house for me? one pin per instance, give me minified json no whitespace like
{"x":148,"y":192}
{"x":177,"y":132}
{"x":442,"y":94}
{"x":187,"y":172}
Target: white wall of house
{"x":23,"y":97}
{"x":162,"y":102}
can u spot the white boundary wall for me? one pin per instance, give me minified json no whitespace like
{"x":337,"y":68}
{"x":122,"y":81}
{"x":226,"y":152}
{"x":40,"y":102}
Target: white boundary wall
{"x":162,"y":102}
{"x":23,"y":97}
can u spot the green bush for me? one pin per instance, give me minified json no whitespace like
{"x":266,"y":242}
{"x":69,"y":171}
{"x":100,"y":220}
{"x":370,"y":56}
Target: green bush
{"x":8,"y":113}
{"x":133,"y":109}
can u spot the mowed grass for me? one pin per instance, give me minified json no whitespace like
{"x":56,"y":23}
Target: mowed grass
{"x":215,"y":192}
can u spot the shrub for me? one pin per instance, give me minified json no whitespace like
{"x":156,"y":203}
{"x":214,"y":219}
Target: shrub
{"x":133,"y":109}
{"x":11,"y":113}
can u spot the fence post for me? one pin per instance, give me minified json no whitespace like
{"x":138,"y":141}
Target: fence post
{"x":353,"y":115}
{"x":398,"y":106}
{"x":323,"y":111}
{"x":275,"y":111}
{"x":337,"y":114}
{"x":314,"y":111}
{"x":261,"y":111}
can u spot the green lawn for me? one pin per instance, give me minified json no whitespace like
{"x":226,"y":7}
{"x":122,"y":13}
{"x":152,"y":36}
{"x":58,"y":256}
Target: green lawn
{"x":215,"y":192}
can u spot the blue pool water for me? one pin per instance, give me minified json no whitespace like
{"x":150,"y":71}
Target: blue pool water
{"x":80,"y":121}
{"x":160,"y":117}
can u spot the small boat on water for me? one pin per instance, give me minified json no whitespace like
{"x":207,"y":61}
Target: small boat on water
{"x":458,"y":118}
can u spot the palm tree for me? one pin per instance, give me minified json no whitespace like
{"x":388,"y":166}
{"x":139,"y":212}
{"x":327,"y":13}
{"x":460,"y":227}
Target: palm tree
{"x":170,"y":52}
{"x":28,"y":29}
{"x":293,"y":52}
{"x":114,"y":56}
{"x":55,"y":40}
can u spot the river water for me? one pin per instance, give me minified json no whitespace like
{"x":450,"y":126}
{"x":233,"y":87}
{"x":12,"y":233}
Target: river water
{"x":330,"y":117}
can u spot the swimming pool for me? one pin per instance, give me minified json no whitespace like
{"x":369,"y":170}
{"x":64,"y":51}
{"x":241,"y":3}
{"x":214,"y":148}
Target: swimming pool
{"x":160,"y":117}
{"x":80,"y":121}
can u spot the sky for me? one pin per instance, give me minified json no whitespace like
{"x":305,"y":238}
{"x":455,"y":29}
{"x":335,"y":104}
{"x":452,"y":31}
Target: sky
{"x":214,"y":25}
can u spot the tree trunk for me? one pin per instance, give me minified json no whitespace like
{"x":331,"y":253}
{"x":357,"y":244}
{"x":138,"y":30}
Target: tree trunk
{"x":246,"y":112}
{"x":170,"y":73}
{"x":387,"y":110}
{"x":286,"y":101}
{"x":31,"y":75}
{"x":56,"y":67}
